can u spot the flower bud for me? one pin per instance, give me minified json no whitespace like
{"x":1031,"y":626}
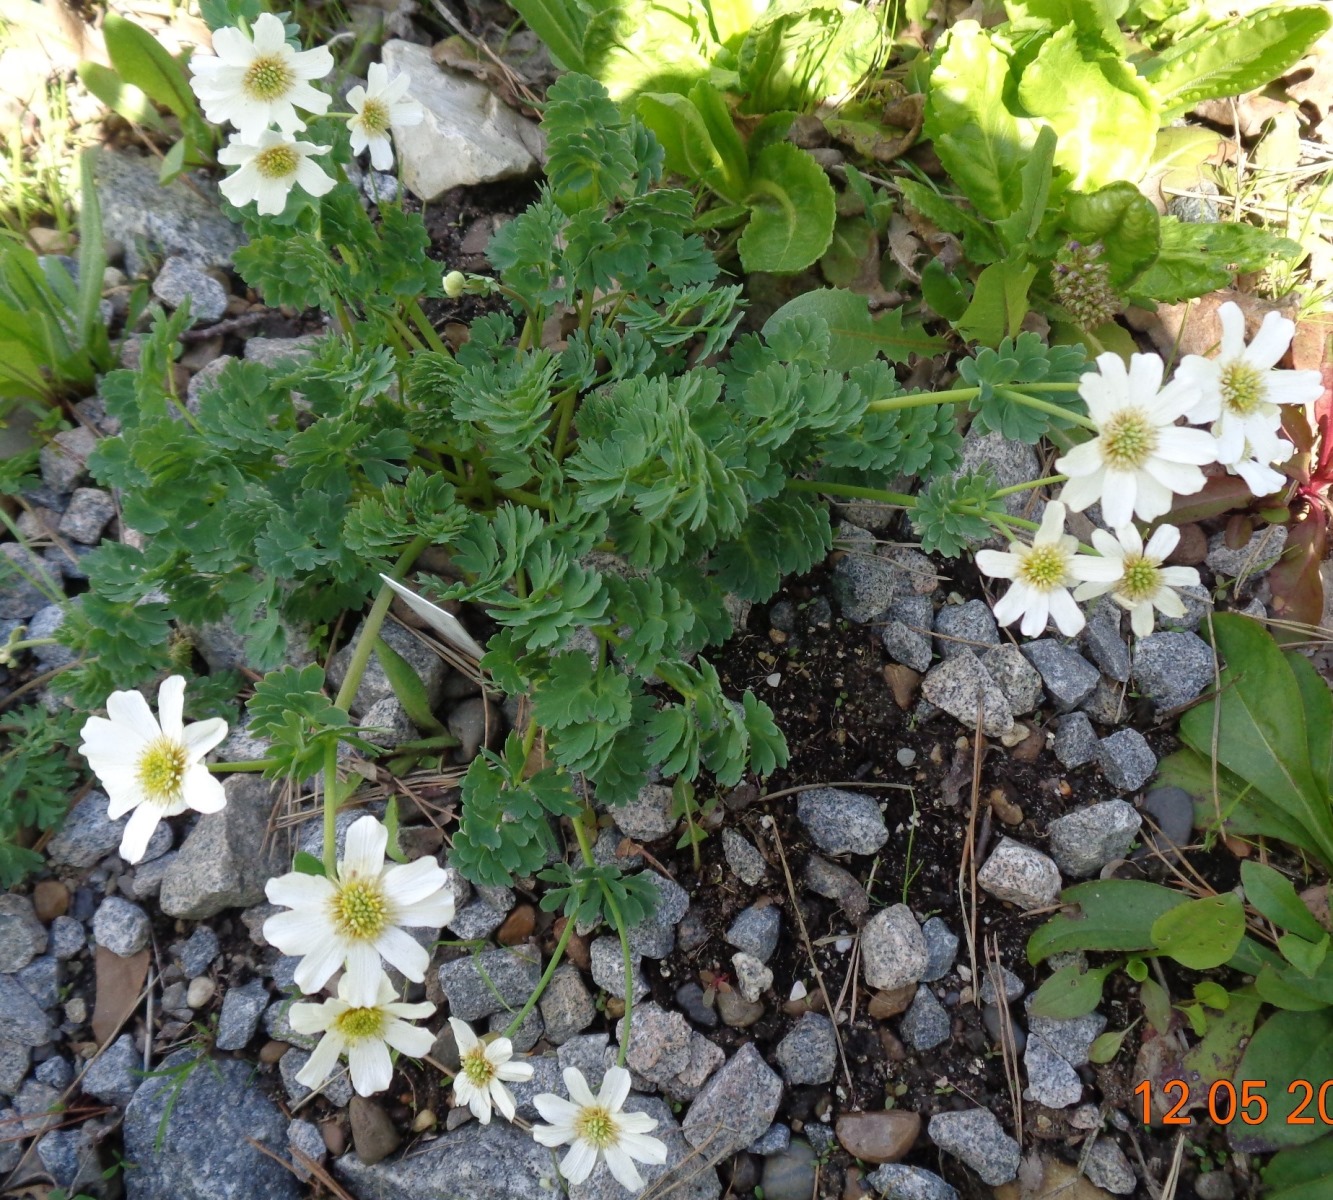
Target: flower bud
{"x":455,"y":284}
{"x":1081,"y":282}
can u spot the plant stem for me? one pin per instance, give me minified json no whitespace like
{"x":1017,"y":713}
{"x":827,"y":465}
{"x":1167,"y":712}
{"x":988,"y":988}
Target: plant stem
{"x":331,"y":810}
{"x":619,"y":921}
{"x":427,"y":329}
{"x":963,"y":394}
{"x":1023,"y":487}
{"x":852,"y":491}
{"x":556,"y":955}
{"x":1047,"y":407}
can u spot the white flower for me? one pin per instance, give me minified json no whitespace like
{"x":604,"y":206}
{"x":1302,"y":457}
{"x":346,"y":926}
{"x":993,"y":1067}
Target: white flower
{"x":1142,"y":584}
{"x":1239,"y":392}
{"x":455,"y":284}
{"x":255,"y":84}
{"x":484,"y":1070}
{"x":598,"y":1129}
{"x":363,"y":1022}
{"x":269,"y":169}
{"x":376,"y":107}
{"x":153,"y":766}
{"x":1139,"y":458}
{"x":356,"y":919}
{"x":1043,"y":573}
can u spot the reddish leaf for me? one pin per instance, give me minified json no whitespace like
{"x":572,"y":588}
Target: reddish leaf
{"x":1221,"y":494}
{"x":1298,"y":587}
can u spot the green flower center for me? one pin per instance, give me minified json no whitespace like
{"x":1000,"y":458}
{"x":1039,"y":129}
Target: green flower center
{"x":1128,"y":439}
{"x":375,"y":118}
{"x":596,"y":1126}
{"x":1140,"y":581}
{"x":268,"y":78}
{"x":356,"y":1024}
{"x":277,"y":162}
{"x":360,"y":910}
{"x":478,"y":1070}
{"x":1242,"y":388}
{"x":162,"y":771}
{"x":1044,"y":567}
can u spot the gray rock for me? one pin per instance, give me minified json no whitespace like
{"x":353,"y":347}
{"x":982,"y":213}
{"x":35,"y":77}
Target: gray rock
{"x":45,"y":623}
{"x":1106,"y":705}
{"x":22,"y":937}
{"x":1126,"y":760}
{"x":567,"y":1006}
{"x":20,"y":573}
{"x":1106,"y":647}
{"x":655,"y":935}
{"x":969,"y":626}
{"x":659,"y":1043}
{"x":1172,"y":810}
{"x":304,"y":1139}
{"x":1083,"y":842}
{"x":1075,"y":740}
{"x":64,"y":464}
{"x":809,"y":1053}
{"x":705,"y":1059}
{"x":735,"y":1106}
{"x":467,"y":137}
{"x":893,"y":949}
{"x":70,"y":1157}
{"x":275,"y":351}
{"x":182,"y":218}
{"x":1198,"y":208}
{"x":277,"y":1024}
{"x":841,"y":822}
{"x":39,"y":1106}
{"x":835,"y":883}
{"x":1013,"y":986}
{"x":55,"y":1072}
{"x":224,"y":647}
{"x":925,"y":1024}
{"x":146,"y":880}
{"x":1258,"y":554}
{"x":86,"y":515}
{"x":1010,"y":462}
{"x":1015,"y":676}
{"x":1172,"y":669}
{"x":753,"y":979}
{"x":648,"y":816}
{"x":337,"y":1088}
{"x":776,"y":1139}
{"x":181,"y":281}
{"x":1070,"y":1038}
{"x":608,"y":968}
{"x":1052,"y":1082}
{"x":475,"y":722}
{"x":476,"y":921}
{"x":14,"y":1060}
{"x":387,"y":724}
{"x":42,"y":979}
{"x":977,"y":1138}
{"x":894,"y":1181}
{"x":755,"y":930}
{"x":905,"y":633}
{"x":960,"y":684}
{"x":242,"y":1008}
{"x":941,"y":949}
{"x":746,"y":863}
{"x":1020,"y":875}
{"x":588,"y":1053}
{"x":122,"y":927}
{"x":510,"y":978}
{"x":1107,"y":1167}
{"x":205,"y":1151}
{"x":790,"y":1173}
{"x":111,"y":1077}
{"x":1211,"y":1185}
{"x":864,"y":583}
{"x":1068,"y":677}
{"x":11,"y":1150}
{"x":198,"y":952}
{"x":67,"y":560}
{"x":227,"y":857}
{"x":67,"y":938}
{"x":375,"y":685}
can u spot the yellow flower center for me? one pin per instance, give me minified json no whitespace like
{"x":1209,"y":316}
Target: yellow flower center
{"x":360,"y":910}
{"x":162,"y":771}
{"x":1129,"y":439}
{"x":268,"y":78}
{"x":1242,"y":388}
{"x":356,"y":1024}
{"x":477,"y":1068}
{"x":375,"y":118}
{"x":596,"y":1126}
{"x":1044,"y":567}
{"x":277,"y":162}
{"x":1140,"y":581}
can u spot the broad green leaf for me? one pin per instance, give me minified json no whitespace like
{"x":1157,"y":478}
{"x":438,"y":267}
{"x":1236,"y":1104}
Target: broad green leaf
{"x":1261,"y":729}
{"x":1301,"y":1173}
{"x":392,"y":848}
{"x":855,"y":337}
{"x":1095,"y":19}
{"x":792,"y":212}
{"x":1104,"y":114}
{"x":1199,"y":258}
{"x":92,"y":252}
{"x":726,"y":140}
{"x":647,"y":46}
{"x":853,"y":254}
{"x":1238,"y":56}
{"x":1285,"y":987}
{"x":731,"y":19}
{"x":943,"y":291}
{"x":981,"y":143}
{"x":686,"y":142}
{"x":1123,"y":220}
{"x":1274,"y":895}
{"x":142,"y":62}
{"x":1156,"y":1005}
{"x":1115,"y":914}
{"x":999,"y":302}
{"x":1213,"y":994}
{"x":1286,"y":1047}
{"x":561,"y":27}
{"x":1201,"y":934}
{"x":1070,"y":992}
{"x":1219,"y":1050}
{"x":120,"y":97}
{"x":1022,"y":226}
{"x":1106,"y":1046}
{"x":1317,"y":700}
{"x":173,"y":162}
{"x":1306,"y":956}
{"x":307,"y":864}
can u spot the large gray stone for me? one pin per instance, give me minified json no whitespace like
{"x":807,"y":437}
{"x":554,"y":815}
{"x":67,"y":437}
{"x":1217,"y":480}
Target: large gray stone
{"x":969,"y":626}
{"x":1172,"y":669}
{"x":567,"y":1006}
{"x":22,"y":937}
{"x":181,"y":282}
{"x":1020,"y":875}
{"x":894,"y":1181}
{"x":905,"y":633}
{"x":1075,"y":740}
{"x":21,"y":1017}
{"x":1126,"y":759}
{"x":227,"y":857}
{"x":925,"y":1024}
{"x":841,"y":822}
{"x":1069,"y":677}
{"x":655,"y":935}
{"x":809,"y":1053}
{"x":1010,"y":462}
{"x":735,"y":1106}
{"x":1015,"y":676}
{"x":205,"y":1151}
{"x":111,"y":1076}
{"x":893,"y":949}
{"x":648,"y":816}
{"x":26,"y":583}
{"x":122,"y":927}
{"x":242,"y":1008}
{"x":469,"y":135}
{"x":960,"y":685}
{"x":659,"y":1043}
{"x":1260,"y":552}
{"x":510,"y":977}
{"x":15,"y":1058}
{"x":865,"y":583}
{"x":977,"y":1138}
{"x":1083,"y":842}
{"x":755,"y":930}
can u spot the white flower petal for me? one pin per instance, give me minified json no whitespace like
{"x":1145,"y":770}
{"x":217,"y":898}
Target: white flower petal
{"x":1036,"y":614}
{"x":577,"y":1087}
{"x":577,"y":1165}
{"x":1067,"y":615}
{"x":363,"y":854}
{"x":202,"y":736}
{"x":622,"y":1169}
{"x":139,"y":831}
{"x":131,"y":710}
{"x":998,"y":565}
{"x":171,"y":706}
{"x":299,"y":890}
{"x":409,"y":883}
{"x":1271,"y":342}
{"x":615,"y":1088}
{"x":372,"y":1068}
{"x":323,"y":1059}
{"x":1165,"y":538}
{"x":404,"y":952}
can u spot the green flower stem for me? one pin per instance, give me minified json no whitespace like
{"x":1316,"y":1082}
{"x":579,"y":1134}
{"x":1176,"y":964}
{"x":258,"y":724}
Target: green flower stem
{"x":964,"y":394}
{"x":556,"y":955}
{"x":427,"y":329}
{"x":1024,"y":487}
{"x":1047,"y":407}
{"x":356,"y":668}
{"x":852,"y":491}
{"x":252,"y":764}
{"x":619,"y":921}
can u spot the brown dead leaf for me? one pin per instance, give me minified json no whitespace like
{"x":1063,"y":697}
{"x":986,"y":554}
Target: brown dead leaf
{"x":1192,"y":327}
{"x":904,"y":246}
{"x":1314,"y":81}
{"x":119,"y":984}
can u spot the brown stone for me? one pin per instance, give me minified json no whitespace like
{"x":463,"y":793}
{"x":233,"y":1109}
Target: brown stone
{"x":271,"y":1051}
{"x":878,"y":1137}
{"x":889,"y":1004}
{"x":576,"y":949}
{"x":334,"y":1136}
{"x":894,"y":1050}
{"x":903,"y":682}
{"x":735,"y":1010}
{"x":1192,"y":548}
{"x":50,"y":898}
{"x":373,"y":1134}
{"x":518,"y":926}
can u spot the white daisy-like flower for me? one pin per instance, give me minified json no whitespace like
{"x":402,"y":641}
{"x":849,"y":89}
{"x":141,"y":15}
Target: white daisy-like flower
{"x":382,"y":103}
{"x":1238,"y":394}
{"x":357,"y":918}
{"x":152,"y":767}
{"x":597,"y":1128}
{"x":1143,"y":584}
{"x":1043,"y":573}
{"x":268,"y":170}
{"x":485,"y":1069}
{"x":255,"y":83}
{"x":1140,"y":458}
{"x":364,"y":1022}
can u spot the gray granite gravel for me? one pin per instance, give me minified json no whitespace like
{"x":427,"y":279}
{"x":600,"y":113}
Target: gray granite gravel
{"x":111,"y":1076}
{"x":893,"y":949}
{"x":1068,"y":677}
{"x":941,"y":948}
{"x":1106,"y":647}
{"x":735,"y":1106}
{"x":842,"y":822}
{"x":977,"y":1138}
{"x":1126,"y":760}
{"x":1075,"y":740}
{"x":242,"y":1008}
{"x":122,"y":927}
{"x":22,"y":936}
{"x":960,"y":685}
{"x":925,"y":1024}
{"x":755,"y":930}
{"x":809,"y":1053}
{"x":746,"y":863}
{"x":1017,"y":678}
{"x":1171,"y":669}
{"x":1020,"y":875}
{"x":567,"y":1007}
{"x":1083,"y":842}
{"x":478,"y":985}
{"x":894,"y":1181}
{"x":965,"y":626}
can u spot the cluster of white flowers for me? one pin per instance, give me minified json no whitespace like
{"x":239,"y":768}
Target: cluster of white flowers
{"x":1139,"y":460}
{"x":257,"y":81}
{"x":349,"y":926}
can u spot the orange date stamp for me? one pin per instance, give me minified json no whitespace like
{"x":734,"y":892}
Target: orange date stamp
{"x":1246,"y":1102}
